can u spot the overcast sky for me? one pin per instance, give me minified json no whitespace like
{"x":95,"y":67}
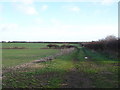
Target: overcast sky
{"x":30,"y":20}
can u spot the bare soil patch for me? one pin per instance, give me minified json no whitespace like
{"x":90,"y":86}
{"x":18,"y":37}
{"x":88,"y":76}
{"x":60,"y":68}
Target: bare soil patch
{"x":49,"y":48}
{"x":75,"y":79}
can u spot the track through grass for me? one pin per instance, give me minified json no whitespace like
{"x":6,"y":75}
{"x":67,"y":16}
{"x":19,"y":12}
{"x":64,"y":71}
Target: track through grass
{"x":67,"y":71}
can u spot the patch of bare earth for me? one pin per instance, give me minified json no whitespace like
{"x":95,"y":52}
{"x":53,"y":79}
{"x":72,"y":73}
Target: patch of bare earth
{"x":75,"y":79}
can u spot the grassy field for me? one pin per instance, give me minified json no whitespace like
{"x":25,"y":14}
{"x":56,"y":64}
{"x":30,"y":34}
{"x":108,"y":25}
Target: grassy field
{"x":26,"y":45}
{"x":66,"y":71}
{"x":13,"y":57}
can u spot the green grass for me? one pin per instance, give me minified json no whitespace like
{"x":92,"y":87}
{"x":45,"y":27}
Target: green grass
{"x":101,"y":70}
{"x":54,"y":82}
{"x":96,"y":56}
{"x":13,"y":57}
{"x":61,"y":64}
{"x":97,"y":62}
{"x":26,"y":45}
{"x":52,"y":73}
{"x":29,"y":45}
{"x":81,"y":55}
{"x":105,"y":80}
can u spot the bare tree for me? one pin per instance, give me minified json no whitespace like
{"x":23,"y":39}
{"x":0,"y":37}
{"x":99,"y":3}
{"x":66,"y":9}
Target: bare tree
{"x":110,"y":38}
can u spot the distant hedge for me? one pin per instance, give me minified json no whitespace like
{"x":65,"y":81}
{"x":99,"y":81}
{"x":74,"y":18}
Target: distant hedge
{"x":108,"y":45}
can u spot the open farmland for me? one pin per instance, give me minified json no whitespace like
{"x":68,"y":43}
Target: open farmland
{"x":12,"y":57}
{"x":68,"y":70}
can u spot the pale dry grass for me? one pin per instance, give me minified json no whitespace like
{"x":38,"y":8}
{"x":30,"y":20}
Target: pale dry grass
{"x":36,"y":66}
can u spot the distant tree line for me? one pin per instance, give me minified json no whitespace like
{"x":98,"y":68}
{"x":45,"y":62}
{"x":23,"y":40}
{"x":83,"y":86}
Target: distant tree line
{"x":39,"y":42}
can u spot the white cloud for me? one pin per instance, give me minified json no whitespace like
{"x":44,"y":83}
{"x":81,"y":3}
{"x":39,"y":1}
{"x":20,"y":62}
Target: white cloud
{"x":108,"y":2}
{"x":75,"y":9}
{"x":59,"y":33}
{"x":71,"y":8}
{"x":44,"y":7}
{"x":27,"y":1}
{"x":91,"y":32}
{"x":8,"y":27}
{"x":38,"y":20}
{"x":55,"y":22}
{"x":26,"y":6}
{"x":22,"y":1}
{"x":56,"y":32}
{"x":28,"y":9}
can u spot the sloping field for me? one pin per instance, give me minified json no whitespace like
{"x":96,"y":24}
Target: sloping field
{"x":71,"y":70}
{"x":13,"y":57}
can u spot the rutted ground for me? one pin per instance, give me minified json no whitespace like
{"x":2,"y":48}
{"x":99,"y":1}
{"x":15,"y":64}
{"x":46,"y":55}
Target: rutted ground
{"x":67,"y":71}
{"x":76,"y":79}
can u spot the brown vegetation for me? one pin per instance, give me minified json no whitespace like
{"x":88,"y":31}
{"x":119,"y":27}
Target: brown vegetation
{"x":108,"y":45}
{"x":60,"y":47}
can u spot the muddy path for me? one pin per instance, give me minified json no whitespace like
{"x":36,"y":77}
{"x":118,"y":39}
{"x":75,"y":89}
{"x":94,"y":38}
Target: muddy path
{"x":74,"y":78}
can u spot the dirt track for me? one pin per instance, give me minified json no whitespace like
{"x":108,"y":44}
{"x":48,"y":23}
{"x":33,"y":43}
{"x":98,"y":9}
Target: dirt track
{"x":44,"y":59}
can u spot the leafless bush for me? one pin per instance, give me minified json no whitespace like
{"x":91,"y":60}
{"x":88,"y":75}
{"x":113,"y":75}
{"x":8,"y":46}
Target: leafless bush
{"x":108,"y":45}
